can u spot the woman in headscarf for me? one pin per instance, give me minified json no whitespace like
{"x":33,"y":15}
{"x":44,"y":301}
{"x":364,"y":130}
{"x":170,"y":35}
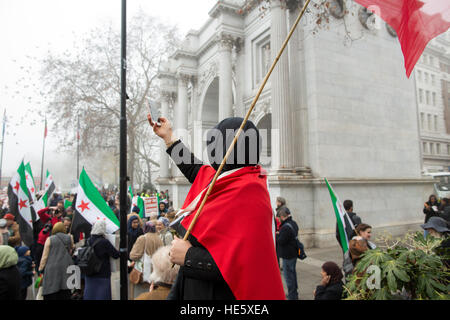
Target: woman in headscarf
{"x":98,"y":285}
{"x":220,"y":259}
{"x":162,"y":277}
{"x":149,"y":242}
{"x":134,"y":232}
{"x":162,"y":209}
{"x":331,"y":286}
{"x":162,"y":228}
{"x":9,"y":274}
{"x":56,"y":258}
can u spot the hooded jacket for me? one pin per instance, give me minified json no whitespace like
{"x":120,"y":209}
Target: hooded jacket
{"x":9,"y":274}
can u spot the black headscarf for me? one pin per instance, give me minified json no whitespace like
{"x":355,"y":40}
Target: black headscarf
{"x":246,"y":151}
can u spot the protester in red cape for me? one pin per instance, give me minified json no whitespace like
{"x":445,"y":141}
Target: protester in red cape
{"x":331,"y":286}
{"x":230,"y":253}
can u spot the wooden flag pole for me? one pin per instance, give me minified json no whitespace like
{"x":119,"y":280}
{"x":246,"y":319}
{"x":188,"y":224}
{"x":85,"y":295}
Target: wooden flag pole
{"x":255,"y":100}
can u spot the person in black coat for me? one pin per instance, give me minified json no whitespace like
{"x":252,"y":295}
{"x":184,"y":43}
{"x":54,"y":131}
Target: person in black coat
{"x":9,"y":274}
{"x":199,"y":277}
{"x":287,"y":250}
{"x":25,"y":265}
{"x":331,"y":286}
{"x":431,"y":208}
{"x":348,"y":206}
{"x":98,"y":285}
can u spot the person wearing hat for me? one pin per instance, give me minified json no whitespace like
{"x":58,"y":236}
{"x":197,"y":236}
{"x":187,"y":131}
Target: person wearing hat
{"x":25,"y":265}
{"x":439,"y":228}
{"x":13,"y":229}
{"x":331,"y":286}
{"x":9,"y":274}
{"x":4,"y":233}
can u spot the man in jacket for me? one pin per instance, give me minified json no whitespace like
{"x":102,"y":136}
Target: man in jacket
{"x":288,"y":252}
{"x":13,"y":228}
{"x":348,"y":206}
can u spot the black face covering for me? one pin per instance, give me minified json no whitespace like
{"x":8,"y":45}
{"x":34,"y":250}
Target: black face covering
{"x":245,"y":153}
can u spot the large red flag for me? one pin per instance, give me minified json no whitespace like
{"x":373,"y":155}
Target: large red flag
{"x":415,"y":21}
{"x":236,"y":227}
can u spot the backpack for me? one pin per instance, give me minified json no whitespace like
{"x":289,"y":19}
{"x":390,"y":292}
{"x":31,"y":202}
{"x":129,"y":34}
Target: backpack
{"x":88,"y":261}
{"x":300,"y":247}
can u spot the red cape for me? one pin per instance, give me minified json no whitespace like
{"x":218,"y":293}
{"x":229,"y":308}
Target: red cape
{"x":236,"y":227}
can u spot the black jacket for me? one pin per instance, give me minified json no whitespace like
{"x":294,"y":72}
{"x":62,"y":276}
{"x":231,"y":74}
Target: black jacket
{"x":199,"y":278}
{"x":103,"y":250}
{"x":350,"y":232}
{"x":430,"y":212}
{"x":26,"y":271}
{"x":286,"y":243}
{"x":445,"y":214}
{"x":330,"y":292}
{"x":10,"y":284}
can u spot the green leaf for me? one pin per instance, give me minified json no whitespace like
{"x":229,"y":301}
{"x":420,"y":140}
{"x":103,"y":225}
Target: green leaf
{"x":392,"y":284}
{"x":438,"y":285}
{"x":401,"y":274}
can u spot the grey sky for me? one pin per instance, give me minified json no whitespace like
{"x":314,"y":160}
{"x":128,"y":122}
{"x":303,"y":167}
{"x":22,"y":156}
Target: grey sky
{"x":29,"y":29}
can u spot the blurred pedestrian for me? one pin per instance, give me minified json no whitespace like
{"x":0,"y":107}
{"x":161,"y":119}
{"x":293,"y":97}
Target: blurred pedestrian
{"x":162,"y":228}
{"x":9,"y":274}
{"x":163,"y":276}
{"x":361,"y":242}
{"x":55,"y":261}
{"x":331,"y":286}
{"x":25,"y":265}
{"x":98,"y":285}
{"x":4,"y":233}
{"x":431,"y":209}
{"x":355,"y":219}
{"x":14,"y":239}
{"x":288,"y":251}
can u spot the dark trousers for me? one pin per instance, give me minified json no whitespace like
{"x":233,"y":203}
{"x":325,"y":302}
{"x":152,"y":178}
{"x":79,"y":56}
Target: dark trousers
{"x":23,"y":293}
{"x":290,"y":276}
{"x":60,"y":295}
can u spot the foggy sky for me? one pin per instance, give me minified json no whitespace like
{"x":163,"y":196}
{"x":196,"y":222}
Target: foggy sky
{"x":30,"y":29}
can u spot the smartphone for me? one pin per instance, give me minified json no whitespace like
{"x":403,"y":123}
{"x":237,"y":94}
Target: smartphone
{"x":154,"y":113}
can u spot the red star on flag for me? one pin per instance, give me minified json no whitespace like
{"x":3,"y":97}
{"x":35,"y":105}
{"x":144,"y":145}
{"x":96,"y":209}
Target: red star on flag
{"x":32,"y":190}
{"x":17,"y":186}
{"x":22,"y":204}
{"x":83,"y":206}
{"x":46,"y":185}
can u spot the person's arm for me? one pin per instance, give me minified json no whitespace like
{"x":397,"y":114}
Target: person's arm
{"x":45,"y":254}
{"x":138,"y":249}
{"x":179,"y":152}
{"x":15,"y":238}
{"x":200,"y":265}
{"x":188,"y":164}
{"x":43,"y":215}
{"x":112,"y":252}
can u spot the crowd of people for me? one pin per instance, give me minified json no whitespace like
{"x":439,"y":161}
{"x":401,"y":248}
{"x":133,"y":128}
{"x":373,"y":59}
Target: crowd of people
{"x":56,"y":248}
{"x":149,"y":242}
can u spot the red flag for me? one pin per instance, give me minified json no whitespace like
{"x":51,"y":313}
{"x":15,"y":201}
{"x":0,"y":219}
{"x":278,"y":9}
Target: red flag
{"x":415,"y":21}
{"x":45,"y":130}
{"x":236,"y":227}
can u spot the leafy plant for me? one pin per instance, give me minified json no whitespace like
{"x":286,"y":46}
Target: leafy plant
{"x":410,"y":268}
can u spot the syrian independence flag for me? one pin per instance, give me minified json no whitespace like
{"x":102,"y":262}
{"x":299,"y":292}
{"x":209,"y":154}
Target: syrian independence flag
{"x":242,"y":245}
{"x":49,"y":186}
{"x":345,"y":225}
{"x":49,"y":189}
{"x":20,"y":205}
{"x":30,"y":181}
{"x":415,"y":21}
{"x":91,"y":207}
